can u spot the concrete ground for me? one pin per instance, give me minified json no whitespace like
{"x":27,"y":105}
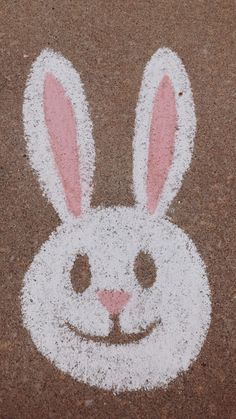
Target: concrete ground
{"x":109,"y":43}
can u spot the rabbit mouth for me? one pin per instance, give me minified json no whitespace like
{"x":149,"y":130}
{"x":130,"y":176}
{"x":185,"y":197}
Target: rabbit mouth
{"x":116,"y":337}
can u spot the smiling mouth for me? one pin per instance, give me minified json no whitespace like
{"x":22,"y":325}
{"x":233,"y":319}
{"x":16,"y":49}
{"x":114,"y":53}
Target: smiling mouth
{"x":116,"y":337}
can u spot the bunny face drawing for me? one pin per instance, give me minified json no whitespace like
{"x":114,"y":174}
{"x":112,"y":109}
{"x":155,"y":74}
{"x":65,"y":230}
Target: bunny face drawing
{"x":115,"y":332}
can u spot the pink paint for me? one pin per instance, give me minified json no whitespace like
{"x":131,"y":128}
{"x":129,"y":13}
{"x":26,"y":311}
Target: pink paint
{"x":60,"y":121}
{"x":113,"y":301}
{"x":161,"y":146}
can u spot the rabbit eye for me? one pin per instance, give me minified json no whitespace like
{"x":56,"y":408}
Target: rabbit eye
{"x":145,"y":269}
{"x":81,"y":274}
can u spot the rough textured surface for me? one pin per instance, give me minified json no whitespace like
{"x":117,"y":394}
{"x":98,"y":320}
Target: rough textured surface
{"x":110,"y":43}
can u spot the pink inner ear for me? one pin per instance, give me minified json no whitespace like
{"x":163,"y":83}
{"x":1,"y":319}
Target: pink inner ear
{"x":161,"y":145}
{"x":60,"y":121}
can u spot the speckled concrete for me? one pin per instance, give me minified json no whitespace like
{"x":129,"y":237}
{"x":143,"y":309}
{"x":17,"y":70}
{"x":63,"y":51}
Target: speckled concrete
{"x":110,"y":43}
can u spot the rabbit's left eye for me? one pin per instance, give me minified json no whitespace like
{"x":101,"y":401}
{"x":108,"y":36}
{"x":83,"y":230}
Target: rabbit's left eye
{"x":145,"y":269}
{"x":81,"y":274}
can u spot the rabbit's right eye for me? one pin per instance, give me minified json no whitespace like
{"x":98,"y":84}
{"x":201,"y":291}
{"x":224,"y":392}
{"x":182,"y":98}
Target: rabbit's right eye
{"x":145,"y":269}
{"x":81,"y":274}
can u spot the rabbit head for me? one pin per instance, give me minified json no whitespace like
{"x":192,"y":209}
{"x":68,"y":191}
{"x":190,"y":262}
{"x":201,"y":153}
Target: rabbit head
{"x":119,"y":328}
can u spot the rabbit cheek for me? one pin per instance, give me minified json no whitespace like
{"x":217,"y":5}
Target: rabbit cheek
{"x":88,"y":317}
{"x":141,"y":312}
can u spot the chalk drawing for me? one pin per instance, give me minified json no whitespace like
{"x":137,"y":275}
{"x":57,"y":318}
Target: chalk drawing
{"x":162,"y":326}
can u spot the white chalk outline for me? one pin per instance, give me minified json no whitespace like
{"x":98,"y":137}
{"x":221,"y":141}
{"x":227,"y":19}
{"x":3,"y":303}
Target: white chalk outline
{"x":163,"y":62}
{"x":37,"y":134}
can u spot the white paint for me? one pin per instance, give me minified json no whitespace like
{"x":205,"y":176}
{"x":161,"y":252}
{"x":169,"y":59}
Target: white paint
{"x":179,"y":300}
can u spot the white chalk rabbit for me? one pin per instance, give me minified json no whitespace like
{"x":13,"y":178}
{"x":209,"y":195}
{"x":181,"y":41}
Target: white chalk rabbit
{"x":164,"y":323}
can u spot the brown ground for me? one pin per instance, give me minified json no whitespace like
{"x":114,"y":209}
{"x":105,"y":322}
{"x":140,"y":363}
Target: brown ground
{"x":109,"y":42}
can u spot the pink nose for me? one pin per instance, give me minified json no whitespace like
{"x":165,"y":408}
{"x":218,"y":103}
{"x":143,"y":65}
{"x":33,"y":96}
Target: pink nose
{"x":114,"y":301}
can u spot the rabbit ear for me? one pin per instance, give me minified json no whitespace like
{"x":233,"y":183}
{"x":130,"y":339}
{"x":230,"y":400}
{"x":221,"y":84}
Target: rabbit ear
{"x":59,"y":133}
{"x":164,"y":132}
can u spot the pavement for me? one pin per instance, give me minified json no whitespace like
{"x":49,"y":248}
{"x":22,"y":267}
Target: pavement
{"x":109,"y":44}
